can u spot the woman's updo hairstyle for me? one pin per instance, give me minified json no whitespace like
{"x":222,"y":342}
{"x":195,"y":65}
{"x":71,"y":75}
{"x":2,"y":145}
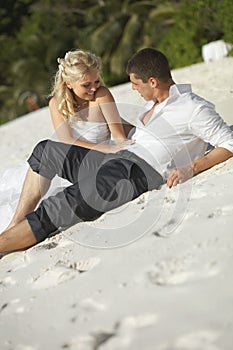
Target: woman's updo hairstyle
{"x":72,"y":68}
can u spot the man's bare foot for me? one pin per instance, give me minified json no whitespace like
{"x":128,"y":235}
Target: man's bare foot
{"x":11,"y":224}
{"x":16,"y":238}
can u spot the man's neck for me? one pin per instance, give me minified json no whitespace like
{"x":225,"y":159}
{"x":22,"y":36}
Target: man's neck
{"x":163,"y":91}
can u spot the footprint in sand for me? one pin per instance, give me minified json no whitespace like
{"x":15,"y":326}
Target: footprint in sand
{"x":22,"y":347}
{"x":46,"y":246}
{"x":204,"y":339}
{"x":179,"y":270}
{"x":7,"y":281}
{"x":14,"y":306}
{"x":61,"y":272}
{"x":88,"y":342}
{"x":136,"y":322}
{"x":128,"y":329}
{"x":120,"y":337}
{"x":81,"y":265}
{"x":92,"y":305}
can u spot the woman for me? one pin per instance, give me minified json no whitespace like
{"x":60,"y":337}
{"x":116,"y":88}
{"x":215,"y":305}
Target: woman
{"x":82,"y":109}
{"x":83,"y":113}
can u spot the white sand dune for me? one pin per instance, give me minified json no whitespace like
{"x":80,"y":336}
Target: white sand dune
{"x":155,"y":274}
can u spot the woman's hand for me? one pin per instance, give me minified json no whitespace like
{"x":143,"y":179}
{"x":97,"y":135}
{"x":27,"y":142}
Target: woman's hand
{"x":113,"y":148}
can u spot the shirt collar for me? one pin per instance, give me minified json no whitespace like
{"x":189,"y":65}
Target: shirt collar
{"x":179,"y":89}
{"x":174,"y":91}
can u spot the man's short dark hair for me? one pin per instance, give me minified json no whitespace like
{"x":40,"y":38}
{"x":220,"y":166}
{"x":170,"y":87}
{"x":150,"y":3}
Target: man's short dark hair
{"x":147,"y":63}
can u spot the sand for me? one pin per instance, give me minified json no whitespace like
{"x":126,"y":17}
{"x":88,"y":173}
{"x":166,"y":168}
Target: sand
{"x":155,"y":274}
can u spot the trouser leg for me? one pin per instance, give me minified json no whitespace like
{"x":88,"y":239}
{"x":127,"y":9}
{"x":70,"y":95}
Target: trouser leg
{"x":111,"y":183}
{"x":85,"y":200}
{"x":51,"y":158}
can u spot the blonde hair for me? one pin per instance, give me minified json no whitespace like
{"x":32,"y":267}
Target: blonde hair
{"x":72,"y":68}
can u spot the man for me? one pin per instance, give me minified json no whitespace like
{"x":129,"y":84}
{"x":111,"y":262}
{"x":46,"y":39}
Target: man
{"x":170,"y":143}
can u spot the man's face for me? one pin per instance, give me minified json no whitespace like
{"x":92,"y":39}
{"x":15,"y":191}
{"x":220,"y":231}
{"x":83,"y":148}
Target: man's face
{"x":144,"y":89}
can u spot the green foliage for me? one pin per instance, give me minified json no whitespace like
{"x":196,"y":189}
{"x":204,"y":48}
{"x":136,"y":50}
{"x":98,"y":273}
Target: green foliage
{"x":126,"y":45}
{"x":196,"y":23}
{"x":122,"y":28}
{"x":224,"y":15}
{"x":11,"y":14}
{"x":33,"y":33}
{"x":29,"y":56}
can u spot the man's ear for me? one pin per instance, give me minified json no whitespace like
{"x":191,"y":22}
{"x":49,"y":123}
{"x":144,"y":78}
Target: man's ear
{"x":153,"y":82}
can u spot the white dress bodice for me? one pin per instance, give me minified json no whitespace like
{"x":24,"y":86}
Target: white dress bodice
{"x":11,"y":180}
{"x":96,"y":132}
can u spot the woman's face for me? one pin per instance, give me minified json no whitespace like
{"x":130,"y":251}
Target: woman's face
{"x":86,"y":88}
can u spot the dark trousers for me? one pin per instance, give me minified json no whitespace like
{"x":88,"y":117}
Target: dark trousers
{"x":100,"y":182}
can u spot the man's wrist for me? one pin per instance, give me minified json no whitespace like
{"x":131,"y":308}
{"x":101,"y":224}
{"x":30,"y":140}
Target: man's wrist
{"x":195,"y":169}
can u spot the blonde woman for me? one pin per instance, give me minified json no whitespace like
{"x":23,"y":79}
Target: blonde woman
{"x":82,"y":109}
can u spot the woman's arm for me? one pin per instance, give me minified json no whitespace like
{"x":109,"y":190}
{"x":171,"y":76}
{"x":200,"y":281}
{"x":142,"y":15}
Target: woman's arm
{"x":111,"y":114}
{"x":64,"y":133}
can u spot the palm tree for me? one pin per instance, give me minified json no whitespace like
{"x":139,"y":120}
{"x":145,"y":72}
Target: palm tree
{"x":112,"y":29}
{"x":120,"y":28}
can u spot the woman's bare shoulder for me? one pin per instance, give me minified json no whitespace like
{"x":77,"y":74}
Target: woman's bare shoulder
{"x":103,"y":93}
{"x":53,"y":102}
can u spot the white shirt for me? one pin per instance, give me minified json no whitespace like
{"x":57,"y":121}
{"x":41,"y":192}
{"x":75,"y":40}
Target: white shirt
{"x":179,"y":131}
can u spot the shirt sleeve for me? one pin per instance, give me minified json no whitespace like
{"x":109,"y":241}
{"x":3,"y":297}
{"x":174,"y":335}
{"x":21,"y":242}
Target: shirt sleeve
{"x":210,"y":127}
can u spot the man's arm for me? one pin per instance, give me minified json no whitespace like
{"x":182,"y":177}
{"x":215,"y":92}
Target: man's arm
{"x":216,"y":156}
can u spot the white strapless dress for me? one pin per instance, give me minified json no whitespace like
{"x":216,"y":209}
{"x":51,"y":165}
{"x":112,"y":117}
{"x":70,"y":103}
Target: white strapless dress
{"x":11,"y":180}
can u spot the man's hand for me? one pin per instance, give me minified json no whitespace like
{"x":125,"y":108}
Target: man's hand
{"x":216,"y":156}
{"x":180,"y":175}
